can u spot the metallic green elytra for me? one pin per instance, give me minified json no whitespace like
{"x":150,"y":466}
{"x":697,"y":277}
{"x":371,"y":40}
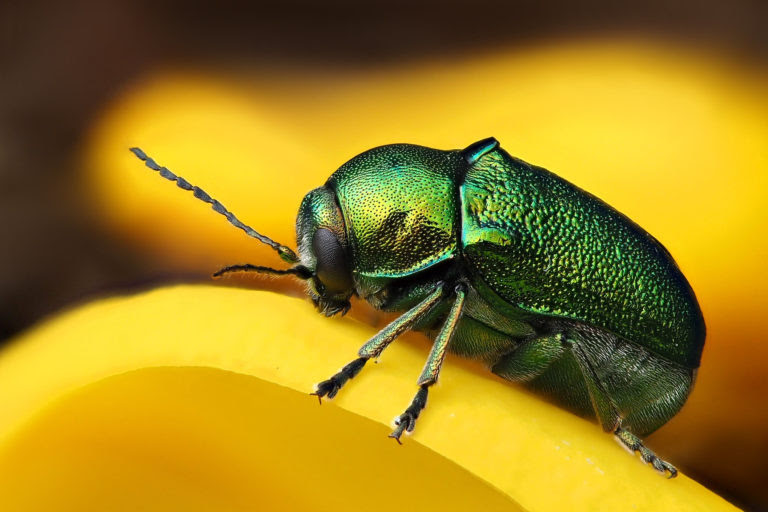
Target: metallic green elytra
{"x":502,"y":261}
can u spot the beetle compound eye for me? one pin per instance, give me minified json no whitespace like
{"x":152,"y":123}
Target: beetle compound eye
{"x":332,"y":268}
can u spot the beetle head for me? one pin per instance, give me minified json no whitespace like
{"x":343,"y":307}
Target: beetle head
{"x":323,"y":254}
{"x":324,"y":251}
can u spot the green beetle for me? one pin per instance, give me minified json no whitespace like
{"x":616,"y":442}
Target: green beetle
{"x":503,"y":261}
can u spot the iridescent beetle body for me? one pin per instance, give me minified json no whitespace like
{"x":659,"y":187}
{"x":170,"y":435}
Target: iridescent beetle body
{"x":502,"y":261}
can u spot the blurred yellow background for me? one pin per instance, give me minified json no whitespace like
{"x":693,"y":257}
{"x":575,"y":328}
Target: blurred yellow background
{"x":660,"y":110}
{"x":675,"y":139}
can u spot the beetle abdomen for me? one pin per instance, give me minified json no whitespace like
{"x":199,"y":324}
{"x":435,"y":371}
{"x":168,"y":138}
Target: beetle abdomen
{"x":550,"y":248}
{"x":637,"y":388}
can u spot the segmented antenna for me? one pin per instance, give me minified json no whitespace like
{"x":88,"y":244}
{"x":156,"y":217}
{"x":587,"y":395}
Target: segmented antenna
{"x":286,"y":253}
{"x":299,"y":271}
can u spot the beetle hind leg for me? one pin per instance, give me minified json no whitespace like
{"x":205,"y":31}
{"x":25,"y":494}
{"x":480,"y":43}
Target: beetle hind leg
{"x":611,"y":378}
{"x":633,"y":443}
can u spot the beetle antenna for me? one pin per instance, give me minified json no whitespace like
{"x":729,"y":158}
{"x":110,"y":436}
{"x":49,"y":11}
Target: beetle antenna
{"x":300,"y":271}
{"x":286,"y":253}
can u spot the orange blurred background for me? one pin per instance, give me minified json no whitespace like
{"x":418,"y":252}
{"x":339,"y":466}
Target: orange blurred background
{"x":660,"y":110}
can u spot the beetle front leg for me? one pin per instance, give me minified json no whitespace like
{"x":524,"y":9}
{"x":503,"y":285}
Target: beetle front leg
{"x":377,"y":344}
{"x":330,"y":387}
{"x":407,"y":421}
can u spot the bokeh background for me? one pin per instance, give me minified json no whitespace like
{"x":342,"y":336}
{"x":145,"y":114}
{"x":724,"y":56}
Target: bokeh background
{"x":660,"y":108}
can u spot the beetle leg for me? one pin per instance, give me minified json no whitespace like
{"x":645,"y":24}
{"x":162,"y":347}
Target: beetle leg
{"x":608,"y":413}
{"x":407,"y":421}
{"x":378,"y":343}
{"x":635,"y":445}
{"x":330,"y":387}
{"x":530,"y":358}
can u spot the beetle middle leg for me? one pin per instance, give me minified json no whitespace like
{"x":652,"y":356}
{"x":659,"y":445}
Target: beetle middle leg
{"x":378,"y":343}
{"x":407,"y":421}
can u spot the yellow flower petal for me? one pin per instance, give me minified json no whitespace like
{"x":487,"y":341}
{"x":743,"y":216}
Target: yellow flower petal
{"x":675,"y":138}
{"x":195,"y":398}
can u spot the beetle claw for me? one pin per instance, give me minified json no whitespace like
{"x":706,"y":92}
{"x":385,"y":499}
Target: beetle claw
{"x":406,"y":422}
{"x":664,"y":467}
{"x":403,"y":423}
{"x":661,"y":466}
{"x":635,"y":445}
{"x":327,"y":388}
{"x":658,"y":464}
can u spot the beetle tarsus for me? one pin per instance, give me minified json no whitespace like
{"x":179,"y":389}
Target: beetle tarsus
{"x":329,"y":388}
{"x":634,"y":444}
{"x":407,"y":421}
{"x":398,"y":431}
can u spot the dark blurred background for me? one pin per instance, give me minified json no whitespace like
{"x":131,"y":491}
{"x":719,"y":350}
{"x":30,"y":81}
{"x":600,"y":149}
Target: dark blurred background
{"x":62,"y":62}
